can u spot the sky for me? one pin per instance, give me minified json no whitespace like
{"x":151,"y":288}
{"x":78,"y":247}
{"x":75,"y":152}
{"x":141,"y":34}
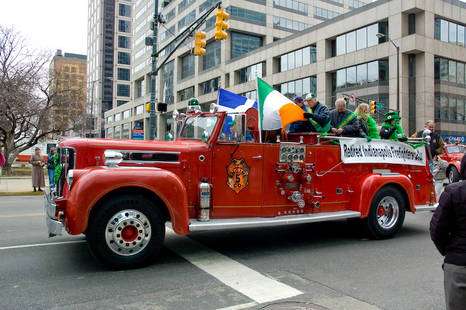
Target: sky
{"x":48,"y":24}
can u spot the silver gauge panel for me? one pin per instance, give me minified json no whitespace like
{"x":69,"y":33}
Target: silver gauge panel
{"x":292,"y":153}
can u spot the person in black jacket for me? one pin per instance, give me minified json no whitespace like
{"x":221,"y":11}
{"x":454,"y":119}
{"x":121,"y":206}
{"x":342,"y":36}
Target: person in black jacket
{"x":343,"y":121}
{"x":319,"y":114}
{"x":448,"y":232}
{"x":436,"y":143}
{"x":300,"y":126}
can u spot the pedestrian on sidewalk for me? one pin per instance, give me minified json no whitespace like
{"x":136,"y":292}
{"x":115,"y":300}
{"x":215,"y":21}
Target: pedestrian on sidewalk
{"x":2,"y":161}
{"x":38,"y":178}
{"x":448,"y":232}
{"x":51,"y":167}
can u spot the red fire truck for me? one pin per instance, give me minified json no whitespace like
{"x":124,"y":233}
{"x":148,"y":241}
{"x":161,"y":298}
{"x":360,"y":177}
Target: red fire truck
{"x":122,"y":194}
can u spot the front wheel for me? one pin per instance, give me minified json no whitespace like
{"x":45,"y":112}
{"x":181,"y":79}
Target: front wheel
{"x":453,"y":175}
{"x":126,"y":232}
{"x":387,"y":213}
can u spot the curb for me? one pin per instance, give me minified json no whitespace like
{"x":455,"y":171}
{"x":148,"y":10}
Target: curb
{"x":31,"y":193}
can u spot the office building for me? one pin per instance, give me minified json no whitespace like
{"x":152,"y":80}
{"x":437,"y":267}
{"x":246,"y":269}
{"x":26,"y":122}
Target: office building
{"x":353,"y":53}
{"x":109,"y":58}
{"x":68,"y":75}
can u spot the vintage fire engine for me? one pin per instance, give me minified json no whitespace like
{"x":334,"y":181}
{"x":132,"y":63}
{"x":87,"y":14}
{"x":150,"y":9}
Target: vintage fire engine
{"x":122,"y":194}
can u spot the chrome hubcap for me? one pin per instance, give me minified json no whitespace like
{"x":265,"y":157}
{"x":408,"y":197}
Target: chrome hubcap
{"x":388,"y":212}
{"x":128,"y":232}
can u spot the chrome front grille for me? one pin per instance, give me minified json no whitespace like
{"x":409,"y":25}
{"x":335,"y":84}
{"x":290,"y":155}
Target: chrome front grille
{"x":67,"y":161}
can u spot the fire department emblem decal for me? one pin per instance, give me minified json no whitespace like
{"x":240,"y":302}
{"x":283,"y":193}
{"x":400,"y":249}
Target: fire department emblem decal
{"x":237,"y":172}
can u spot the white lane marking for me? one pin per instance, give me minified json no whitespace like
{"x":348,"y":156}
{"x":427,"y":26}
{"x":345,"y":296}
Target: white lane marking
{"x":239,"y":307}
{"x":39,"y":244}
{"x":237,"y":276}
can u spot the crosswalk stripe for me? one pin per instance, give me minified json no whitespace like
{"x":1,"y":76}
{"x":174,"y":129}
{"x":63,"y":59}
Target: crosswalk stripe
{"x":243,"y":279}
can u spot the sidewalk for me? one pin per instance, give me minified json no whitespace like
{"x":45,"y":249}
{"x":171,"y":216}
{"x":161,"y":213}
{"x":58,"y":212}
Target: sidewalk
{"x":17,"y":184}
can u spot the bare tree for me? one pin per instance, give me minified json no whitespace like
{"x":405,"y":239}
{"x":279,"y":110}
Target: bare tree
{"x":28,"y":98}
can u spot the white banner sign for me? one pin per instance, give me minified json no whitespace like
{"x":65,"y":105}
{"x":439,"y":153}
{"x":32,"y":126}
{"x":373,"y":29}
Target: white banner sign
{"x":355,"y":151}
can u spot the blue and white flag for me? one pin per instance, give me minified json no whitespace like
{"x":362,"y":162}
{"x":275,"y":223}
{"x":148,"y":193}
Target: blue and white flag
{"x":230,"y":102}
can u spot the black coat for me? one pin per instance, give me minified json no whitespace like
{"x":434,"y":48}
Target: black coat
{"x":448,"y":224}
{"x":349,"y":130}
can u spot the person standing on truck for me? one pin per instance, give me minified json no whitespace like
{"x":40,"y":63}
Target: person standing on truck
{"x":436,"y":142}
{"x":300,"y":126}
{"x":391,"y":128}
{"x":448,"y":232}
{"x":37,"y":161}
{"x":51,"y":167}
{"x":318,"y":114}
{"x":367,"y":125}
{"x":343,"y":121}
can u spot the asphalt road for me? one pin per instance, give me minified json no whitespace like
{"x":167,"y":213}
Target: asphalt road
{"x":333,"y":267}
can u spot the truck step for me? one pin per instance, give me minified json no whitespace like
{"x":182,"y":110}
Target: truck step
{"x":233,"y":223}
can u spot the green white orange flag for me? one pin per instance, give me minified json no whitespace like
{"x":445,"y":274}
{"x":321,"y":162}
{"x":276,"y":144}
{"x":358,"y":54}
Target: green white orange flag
{"x":275,"y":110}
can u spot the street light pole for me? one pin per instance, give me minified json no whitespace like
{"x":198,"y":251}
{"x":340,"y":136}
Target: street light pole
{"x":153,"y":71}
{"x":381,"y":35}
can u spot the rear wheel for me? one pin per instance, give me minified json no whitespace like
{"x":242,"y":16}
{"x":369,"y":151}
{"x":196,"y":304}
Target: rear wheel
{"x":453,"y":175}
{"x":126,"y":232}
{"x":387,"y":213}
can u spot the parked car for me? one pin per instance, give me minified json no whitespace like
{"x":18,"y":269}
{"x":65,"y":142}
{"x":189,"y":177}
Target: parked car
{"x":453,"y":155}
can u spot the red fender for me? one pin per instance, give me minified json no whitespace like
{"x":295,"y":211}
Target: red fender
{"x":371,"y":184}
{"x":90,"y":185}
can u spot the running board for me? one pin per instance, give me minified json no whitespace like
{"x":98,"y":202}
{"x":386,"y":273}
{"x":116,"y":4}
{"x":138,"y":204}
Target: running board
{"x":420,"y":208}
{"x":248,"y":222}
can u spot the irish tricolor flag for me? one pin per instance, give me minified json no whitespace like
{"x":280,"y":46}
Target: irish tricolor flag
{"x":275,"y":110}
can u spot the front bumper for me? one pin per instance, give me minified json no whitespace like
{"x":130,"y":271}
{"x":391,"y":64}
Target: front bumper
{"x":54,"y":226}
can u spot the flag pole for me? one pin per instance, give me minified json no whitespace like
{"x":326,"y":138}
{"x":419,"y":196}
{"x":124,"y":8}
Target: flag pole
{"x":259,"y":111}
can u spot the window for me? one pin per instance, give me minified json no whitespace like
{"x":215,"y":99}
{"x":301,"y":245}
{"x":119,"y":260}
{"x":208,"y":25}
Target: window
{"x":185,"y":21}
{"x":444,"y":30}
{"x":340,"y":45}
{"x":123,"y":42}
{"x":460,"y":73}
{"x":452,"y":27}
{"x":186,"y":93}
{"x":411,"y":23}
{"x":351,"y":42}
{"x":324,"y":13}
{"x":247,"y":15}
{"x":354,"y":4}
{"x":121,"y":102}
{"x":288,"y":24}
{"x":109,"y":132}
{"x":460,"y":105}
{"x":126,"y":114}
{"x":351,"y":78}
{"x":170,"y":15}
{"x":117,"y":132}
{"x":138,"y":88}
{"x":184,"y":4}
{"x":140,"y":109}
{"x":125,"y":10}
{"x":361,"y":74}
{"x":123,"y":74}
{"x":168,"y":77}
{"x":461,"y":34}
{"x":298,"y":58}
{"x":125,"y":131}
{"x":341,"y":79}
{"x":209,"y":86}
{"x":444,"y":69}
{"x":452,"y":71}
{"x":372,"y":31}
{"x":361,"y":38}
{"x":250,"y":73}
{"x":123,"y":90}
{"x":212,"y":57}
{"x":292,"y":5}
{"x":123,"y":58}
{"x":110,"y":119}
{"x":299,"y":87}
{"x":187,"y":66}
{"x":167,"y":34}
{"x":372,"y":71}
{"x":124,"y":26}
{"x":452,"y":109}
{"x":383,"y":70}
{"x":206,"y":5}
{"x":250,"y":95}
{"x":243,"y":43}
{"x":117,"y":117}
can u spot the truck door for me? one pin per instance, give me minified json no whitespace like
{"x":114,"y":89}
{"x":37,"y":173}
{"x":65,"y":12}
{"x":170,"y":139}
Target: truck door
{"x":236,"y":176}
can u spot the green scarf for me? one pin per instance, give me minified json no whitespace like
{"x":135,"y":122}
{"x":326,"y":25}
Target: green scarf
{"x":347,"y":120}
{"x":398,"y":131}
{"x":372,"y":127}
{"x":317,"y":126}
{"x":58,"y":169}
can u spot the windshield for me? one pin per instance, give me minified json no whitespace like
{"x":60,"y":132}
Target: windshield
{"x":454,"y":149}
{"x":198,"y":127}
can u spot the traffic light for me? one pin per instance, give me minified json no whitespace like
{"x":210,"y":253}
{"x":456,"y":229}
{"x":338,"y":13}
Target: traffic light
{"x":373,"y":106}
{"x":221,"y":25}
{"x":148,"y":107}
{"x":199,"y":43}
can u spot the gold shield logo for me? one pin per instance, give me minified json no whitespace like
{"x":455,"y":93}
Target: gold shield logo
{"x":237,"y":172}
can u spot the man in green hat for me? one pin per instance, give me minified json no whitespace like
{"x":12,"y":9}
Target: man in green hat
{"x":391,"y":129}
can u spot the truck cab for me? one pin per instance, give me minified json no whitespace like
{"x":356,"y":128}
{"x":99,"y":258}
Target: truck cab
{"x":221,"y":172}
